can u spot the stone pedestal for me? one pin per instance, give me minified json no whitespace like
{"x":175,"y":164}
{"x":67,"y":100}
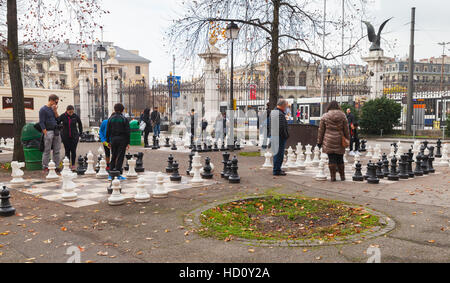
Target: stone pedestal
{"x":212,"y":58}
{"x":376,"y":60}
{"x":112,"y":76}
{"x":85,"y":70}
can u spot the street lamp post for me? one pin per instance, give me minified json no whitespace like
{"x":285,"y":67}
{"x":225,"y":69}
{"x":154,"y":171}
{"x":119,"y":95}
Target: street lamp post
{"x":101,"y":55}
{"x":232,"y":33}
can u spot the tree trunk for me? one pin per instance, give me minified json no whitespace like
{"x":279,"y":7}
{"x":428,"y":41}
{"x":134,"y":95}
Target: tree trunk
{"x":274,"y":57}
{"x":15,"y":77}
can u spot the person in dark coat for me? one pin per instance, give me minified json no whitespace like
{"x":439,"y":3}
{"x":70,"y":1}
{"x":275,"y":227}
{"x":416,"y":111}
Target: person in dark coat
{"x":280,"y":135}
{"x":156,"y":122}
{"x":145,"y":117}
{"x":118,"y":138}
{"x":70,"y":135}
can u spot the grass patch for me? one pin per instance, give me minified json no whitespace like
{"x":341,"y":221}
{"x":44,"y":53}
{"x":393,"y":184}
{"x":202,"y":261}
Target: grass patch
{"x":250,"y":154}
{"x":281,"y":218}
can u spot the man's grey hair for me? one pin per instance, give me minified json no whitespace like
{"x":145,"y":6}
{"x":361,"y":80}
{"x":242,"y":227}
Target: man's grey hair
{"x":282,"y":102}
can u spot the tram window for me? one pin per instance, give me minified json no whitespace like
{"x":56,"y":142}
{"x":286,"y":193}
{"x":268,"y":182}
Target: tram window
{"x":430,"y":106}
{"x":315,"y":110}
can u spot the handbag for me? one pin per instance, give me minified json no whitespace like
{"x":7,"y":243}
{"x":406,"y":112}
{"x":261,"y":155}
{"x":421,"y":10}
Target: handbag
{"x":142,"y":126}
{"x":345,"y":142}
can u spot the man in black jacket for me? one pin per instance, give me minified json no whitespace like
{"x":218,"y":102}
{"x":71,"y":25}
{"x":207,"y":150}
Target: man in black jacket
{"x":156,"y":122}
{"x":280,"y":135}
{"x":118,"y":138}
{"x":72,"y":128}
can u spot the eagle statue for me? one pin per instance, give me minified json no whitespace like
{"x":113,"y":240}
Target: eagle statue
{"x":374,"y":38}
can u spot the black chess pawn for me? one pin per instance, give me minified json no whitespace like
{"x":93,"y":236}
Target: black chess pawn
{"x":174,"y":146}
{"x":358,"y":177}
{"x":210,"y":148}
{"x":372,"y":174}
{"x":155,"y":144}
{"x":431,"y":158}
{"x":380,"y":173}
{"x":393,"y":176}
{"x":113,"y":175}
{"x":222,"y":147}
{"x":85,"y":164}
{"x":237,"y":146}
{"x":175,"y":177}
{"x":418,"y":172}
{"x":234,"y":176}
{"x":80,"y":169}
{"x":386,"y":168}
{"x":227,"y":173}
{"x":139,"y":162}
{"x":226,"y":158}
{"x":425,"y":164}
{"x":425,"y":144}
{"x":191,"y":159}
{"x":363,"y":146}
{"x":395,"y":147}
{"x":216,"y":147}
{"x":410,"y":161}
{"x":167,"y":142}
{"x":403,"y":165}
{"x":169,"y":168}
{"x":6,"y":209}
{"x":97,"y":166}
{"x":128,"y":157}
{"x":366,"y":176}
{"x":207,"y":175}
{"x":205,"y":147}
{"x":438,"y":149}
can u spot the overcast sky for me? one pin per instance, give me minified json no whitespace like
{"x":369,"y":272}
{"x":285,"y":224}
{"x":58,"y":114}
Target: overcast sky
{"x":140,"y":24}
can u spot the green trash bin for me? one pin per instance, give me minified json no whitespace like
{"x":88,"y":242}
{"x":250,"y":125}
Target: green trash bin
{"x":135,"y":136}
{"x":31,"y":139}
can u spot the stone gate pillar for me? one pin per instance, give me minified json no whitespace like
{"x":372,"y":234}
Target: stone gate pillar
{"x":84,"y":69}
{"x":376,"y":61}
{"x":112,"y":79}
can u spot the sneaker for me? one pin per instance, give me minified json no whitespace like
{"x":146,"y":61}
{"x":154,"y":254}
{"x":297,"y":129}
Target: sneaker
{"x":282,"y":173}
{"x":352,"y":153}
{"x":121,"y":178}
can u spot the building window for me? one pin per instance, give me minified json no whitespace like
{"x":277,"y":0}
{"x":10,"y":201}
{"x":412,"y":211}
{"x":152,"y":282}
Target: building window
{"x":62,"y":67}
{"x":95,"y":68}
{"x":138,"y":70}
{"x":291,"y":78}
{"x":281,"y":79}
{"x":406,"y":68}
{"x":40,"y":68}
{"x":302,"y":79}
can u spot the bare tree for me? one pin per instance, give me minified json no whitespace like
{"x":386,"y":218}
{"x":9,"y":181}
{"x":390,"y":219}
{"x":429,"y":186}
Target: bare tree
{"x":281,"y":26}
{"x":43,"y":23}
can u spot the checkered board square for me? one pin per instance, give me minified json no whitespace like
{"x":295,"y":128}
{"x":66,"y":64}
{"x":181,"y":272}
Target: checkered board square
{"x":92,"y":191}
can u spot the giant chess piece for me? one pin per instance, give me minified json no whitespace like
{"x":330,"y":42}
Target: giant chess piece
{"x":167,"y":142}
{"x":17,"y":175}
{"x":139,"y":162}
{"x":372,"y":174}
{"x":392,"y":151}
{"x":386,"y":168}
{"x":393,"y":176}
{"x":444,"y":159}
{"x":80,"y":169}
{"x":234,"y":176}
{"x":291,"y":159}
{"x":114,"y":175}
{"x":207,"y":175}
{"x":175,"y":177}
{"x":66,"y":166}
{"x":102,"y":173}
{"x":410,"y":161}
{"x":90,"y":165}
{"x":300,"y":164}
{"x":321,"y":176}
{"x":6,"y":209}
{"x":68,"y":187}
{"x":160,"y":191}
{"x":191,"y":156}
{"x":222,"y":147}
{"x":169,"y":168}
{"x":216,"y":147}
{"x":116,"y":197}
{"x":128,"y":156}
{"x":380,"y":173}
{"x":132,"y":174}
{"x":308,"y":161}
{"x":52,"y":176}
{"x":369,"y":152}
{"x":358,"y":177}
{"x":425,"y":163}
{"x":403,"y":164}
{"x":97,"y":165}
{"x":196,"y":166}
{"x":268,"y":162}
{"x":174,"y":146}
{"x":363,"y":146}
{"x":142,"y":195}
{"x":431,"y":169}
{"x":316,"y":159}
{"x":418,"y":172}
{"x":226,"y":158}
{"x":438,"y":149}
{"x":155,"y":143}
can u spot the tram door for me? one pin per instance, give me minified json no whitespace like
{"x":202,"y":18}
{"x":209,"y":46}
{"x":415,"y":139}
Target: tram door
{"x":304,"y":114}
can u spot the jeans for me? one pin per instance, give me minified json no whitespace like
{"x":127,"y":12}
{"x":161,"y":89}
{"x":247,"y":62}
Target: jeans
{"x":51,"y":141}
{"x":279,"y":157}
{"x":118,"y":150}
{"x":156,"y":130}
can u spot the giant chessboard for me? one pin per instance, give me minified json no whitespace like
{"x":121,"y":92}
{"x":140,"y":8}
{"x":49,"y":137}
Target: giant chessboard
{"x":92,"y":191}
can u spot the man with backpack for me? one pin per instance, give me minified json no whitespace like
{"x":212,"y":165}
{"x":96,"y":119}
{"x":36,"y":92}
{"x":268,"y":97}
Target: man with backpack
{"x":118,"y":138}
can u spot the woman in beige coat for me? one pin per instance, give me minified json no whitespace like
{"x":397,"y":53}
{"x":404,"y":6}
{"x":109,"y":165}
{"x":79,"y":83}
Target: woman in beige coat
{"x":334,"y":126}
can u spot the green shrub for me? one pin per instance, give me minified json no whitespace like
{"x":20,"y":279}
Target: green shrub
{"x":356,"y":112}
{"x":447,"y":130}
{"x":380,"y":114}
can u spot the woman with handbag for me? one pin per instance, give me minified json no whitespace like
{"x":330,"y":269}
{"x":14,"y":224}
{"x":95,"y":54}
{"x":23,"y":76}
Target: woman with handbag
{"x":334,"y":138}
{"x":72,"y":128}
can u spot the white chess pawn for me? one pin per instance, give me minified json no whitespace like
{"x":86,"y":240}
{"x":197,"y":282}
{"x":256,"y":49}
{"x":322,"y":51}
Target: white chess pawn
{"x":142,"y":195}
{"x":392,"y":151}
{"x":321,"y":176}
{"x":300,"y":157}
{"x":66,"y":166}
{"x":345,"y":155}
{"x":101,"y":151}
{"x":369,"y":152}
{"x":17,"y":174}
{"x":400,"y":152}
{"x":90,"y":168}
{"x":116,"y":197}
{"x":444,"y":159}
{"x":68,"y":187}
{"x":102,"y":173}
{"x":160,"y":191}
{"x":291,"y":159}
{"x":308,"y":161}
{"x":316,"y":159}
{"x":52,"y":172}
{"x":2,"y":143}
{"x":196,"y":166}
{"x":131,"y":174}
{"x":377,"y":152}
{"x":268,"y":163}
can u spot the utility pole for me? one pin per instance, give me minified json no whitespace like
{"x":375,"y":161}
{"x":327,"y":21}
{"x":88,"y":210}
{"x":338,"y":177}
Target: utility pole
{"x":441,"y":88}
{"x":342,"y":62}
{"x":409,"y":114}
